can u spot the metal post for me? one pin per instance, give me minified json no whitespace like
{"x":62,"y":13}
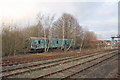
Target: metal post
{"x":113,"y":43}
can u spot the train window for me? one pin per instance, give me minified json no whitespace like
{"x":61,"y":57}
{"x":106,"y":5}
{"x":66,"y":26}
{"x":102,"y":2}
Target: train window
{"x":48,"y":41}
{"x":38,"y":42}
{"x":65,"y":42}
{"x":57,"y":42}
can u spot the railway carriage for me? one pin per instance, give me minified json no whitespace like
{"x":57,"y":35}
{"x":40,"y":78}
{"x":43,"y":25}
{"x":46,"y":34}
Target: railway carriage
{"x":36,"y":43}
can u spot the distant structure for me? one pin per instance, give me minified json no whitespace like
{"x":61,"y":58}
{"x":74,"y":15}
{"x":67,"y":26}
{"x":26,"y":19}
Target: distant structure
{"x":113,"y":45}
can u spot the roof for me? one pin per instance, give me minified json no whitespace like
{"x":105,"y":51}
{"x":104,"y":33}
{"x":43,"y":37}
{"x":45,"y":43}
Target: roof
{"x":37,"y":38}
{"x":47,"y":38}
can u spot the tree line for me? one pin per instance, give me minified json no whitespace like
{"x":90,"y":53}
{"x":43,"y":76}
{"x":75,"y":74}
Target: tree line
{"x":65,"y":27}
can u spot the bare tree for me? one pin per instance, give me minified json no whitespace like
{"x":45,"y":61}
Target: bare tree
{"x":65,"y":27}
{"x":50,"y":23}
{"x":68,"y":26}
{"x":9,"y":36}
{"x":88,"y":36}
{"x":46,"y":22}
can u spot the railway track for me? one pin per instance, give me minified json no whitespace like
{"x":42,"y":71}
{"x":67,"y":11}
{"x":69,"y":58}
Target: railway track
{"x":60,"y":59}
{"x":75,"y":69}
{"x":21,"y":61}
{"x":66,"y":60}
{"x":11,"y":62}
{"x":88,"y":67}
{"x":55,"y":63}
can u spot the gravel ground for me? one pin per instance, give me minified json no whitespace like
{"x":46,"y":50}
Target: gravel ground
{"x":113,"y":74}
{"x":39,"y":62}
{"x":50,"y":53}
{"x":52,"y":69}
{"x":102,"y":70}
{"x":44,"y":71}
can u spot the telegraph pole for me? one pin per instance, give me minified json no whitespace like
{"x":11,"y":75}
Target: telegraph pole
{"x":113,"y":45}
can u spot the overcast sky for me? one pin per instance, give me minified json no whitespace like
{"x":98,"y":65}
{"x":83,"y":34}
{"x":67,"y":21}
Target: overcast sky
{"x":98,"y":16}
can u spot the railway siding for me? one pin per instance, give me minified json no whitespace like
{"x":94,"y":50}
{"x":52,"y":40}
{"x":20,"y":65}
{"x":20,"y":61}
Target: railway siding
{"x":20,"y":66}
{"x":16,"y":61}
{"x":78,"y":68}
{"x":44,"y":61}
{"x":52,"y":69}
{"x":100,"y":71}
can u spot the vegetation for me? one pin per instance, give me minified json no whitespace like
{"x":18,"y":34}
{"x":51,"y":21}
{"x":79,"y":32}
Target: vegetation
{"x":65,"y":27}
